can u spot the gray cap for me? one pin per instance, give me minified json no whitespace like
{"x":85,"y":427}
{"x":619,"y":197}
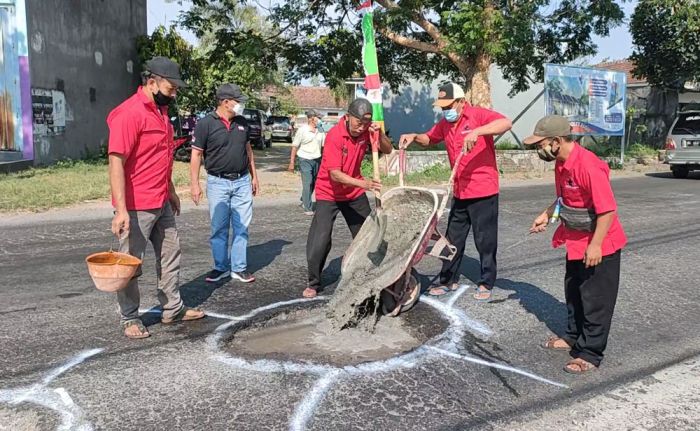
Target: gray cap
{"x":166,"y":68}
{"x":550,"y":126}
{"x":230,"y":92}
{"x":312,"y":113}
{"x":359,"y":108}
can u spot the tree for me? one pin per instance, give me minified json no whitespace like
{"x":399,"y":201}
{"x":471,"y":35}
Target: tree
{"x":425,"y":39}
{"x":666,"y":36}
{"x":167,"y":42}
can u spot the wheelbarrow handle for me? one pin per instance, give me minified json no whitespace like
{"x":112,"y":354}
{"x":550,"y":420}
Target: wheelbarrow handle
{"x":402,"y":166}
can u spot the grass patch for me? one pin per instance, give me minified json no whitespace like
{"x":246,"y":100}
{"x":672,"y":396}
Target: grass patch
{"x":432,"y":175}
{"x":506,"y":145}
{"x":65,"y":183}
{"x":639,"y":150}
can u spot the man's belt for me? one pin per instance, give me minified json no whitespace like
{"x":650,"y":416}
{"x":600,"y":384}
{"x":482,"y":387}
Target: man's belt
{"x":233,"y":176}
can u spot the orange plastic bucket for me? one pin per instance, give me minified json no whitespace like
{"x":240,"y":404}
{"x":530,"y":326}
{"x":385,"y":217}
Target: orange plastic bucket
{"x":111,"y":271}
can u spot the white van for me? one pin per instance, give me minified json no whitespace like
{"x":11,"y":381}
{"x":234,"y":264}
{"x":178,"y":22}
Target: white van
{"x":683,"y":144}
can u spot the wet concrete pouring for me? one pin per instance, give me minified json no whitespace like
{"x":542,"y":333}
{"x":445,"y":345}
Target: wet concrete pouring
{"x":369,"y":269}
{"x":307,"y":336}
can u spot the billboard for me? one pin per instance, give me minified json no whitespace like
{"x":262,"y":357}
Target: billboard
{"x":592,"y":99}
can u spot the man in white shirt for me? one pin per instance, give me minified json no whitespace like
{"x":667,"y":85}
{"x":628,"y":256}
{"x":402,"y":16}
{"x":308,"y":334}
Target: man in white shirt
{"x":307,"y":145}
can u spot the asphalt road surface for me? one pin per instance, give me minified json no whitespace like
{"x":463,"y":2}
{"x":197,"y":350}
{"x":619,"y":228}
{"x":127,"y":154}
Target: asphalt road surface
{"x":66,"y":365}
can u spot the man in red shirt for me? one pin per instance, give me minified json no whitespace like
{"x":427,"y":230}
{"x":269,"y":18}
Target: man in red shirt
{"x":340,"y":186}
{"x":593,"y":236}
{"x":140,"y":169}
{"x":475,"y":201}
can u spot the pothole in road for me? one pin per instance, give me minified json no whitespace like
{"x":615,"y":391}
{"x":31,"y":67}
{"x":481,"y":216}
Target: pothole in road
{"x":305,"y":335}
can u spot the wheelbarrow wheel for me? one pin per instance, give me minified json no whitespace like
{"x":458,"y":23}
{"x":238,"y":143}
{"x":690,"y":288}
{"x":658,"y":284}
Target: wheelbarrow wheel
{"x":401,"y":296}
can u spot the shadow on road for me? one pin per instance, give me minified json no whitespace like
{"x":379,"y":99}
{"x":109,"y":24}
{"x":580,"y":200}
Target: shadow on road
{"x":668,"y":175}
{"x":547,"y":308}
{"x":262,"y":255}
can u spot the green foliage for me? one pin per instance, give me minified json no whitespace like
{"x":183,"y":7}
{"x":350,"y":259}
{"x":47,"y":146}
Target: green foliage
{"x":639,"y":150}
{"x":666,"y":35}
{"x":424,"y":39}
{"x":506,"y":145}
{"x":167,"y":42}
{"x":604,"y":148}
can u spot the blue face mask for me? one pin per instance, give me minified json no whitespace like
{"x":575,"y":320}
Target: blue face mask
{"x":450,"y":115}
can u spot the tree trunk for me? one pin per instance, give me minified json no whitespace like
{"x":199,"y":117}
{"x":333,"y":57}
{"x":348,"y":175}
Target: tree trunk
{"x":476,"y":77}
{"x":479,"y":92}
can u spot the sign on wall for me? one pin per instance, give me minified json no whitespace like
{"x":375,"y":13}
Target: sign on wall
{"x":592,"y":99}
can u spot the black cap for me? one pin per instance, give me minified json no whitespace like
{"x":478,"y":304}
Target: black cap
{"x":166,"y":68}
{"x":230,"y":92}
{"x":359,"y":108}
{"x":312,"y":113}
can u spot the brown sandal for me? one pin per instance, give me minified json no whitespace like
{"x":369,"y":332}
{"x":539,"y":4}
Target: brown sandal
{"x":185,"y":314}
{"x":143,"y":332}
{"x":579,"y":366}
{"x":554,"y":343}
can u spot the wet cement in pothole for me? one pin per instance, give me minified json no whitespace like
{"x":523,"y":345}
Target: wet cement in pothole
{"x":307,"y":336}
{"x":356,"y":299}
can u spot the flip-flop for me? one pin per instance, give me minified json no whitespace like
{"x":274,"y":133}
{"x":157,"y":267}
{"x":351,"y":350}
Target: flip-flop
{"x":182,"y":316}
{"x":138,"y":323}
{"x":583,"y":366}
{"x":445,"y":289}
{"x":480,"y":291}
{"x":549,"y":344}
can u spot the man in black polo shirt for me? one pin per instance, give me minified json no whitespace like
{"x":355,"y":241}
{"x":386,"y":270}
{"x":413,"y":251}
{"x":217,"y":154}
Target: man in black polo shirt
{"x":223,"y":139}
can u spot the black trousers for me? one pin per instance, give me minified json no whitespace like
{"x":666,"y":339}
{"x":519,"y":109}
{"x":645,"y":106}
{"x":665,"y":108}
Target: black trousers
{"x":319,"y":242}
{"x":482,"y":215}
{"x":591,"y":294}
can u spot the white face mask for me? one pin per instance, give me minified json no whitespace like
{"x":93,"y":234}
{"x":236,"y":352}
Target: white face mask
{"x":238,"y":109}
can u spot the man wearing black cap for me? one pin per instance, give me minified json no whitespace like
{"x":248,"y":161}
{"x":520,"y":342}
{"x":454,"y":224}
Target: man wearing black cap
{"x":475,"y":201}
{"x":307,"y":145}
{"x":140,"y":169}
{"x":222,"y":138}
{"x":340,"y":186}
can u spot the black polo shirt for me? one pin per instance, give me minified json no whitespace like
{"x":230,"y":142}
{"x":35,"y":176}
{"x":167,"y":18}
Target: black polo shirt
{"x":224,"y":148}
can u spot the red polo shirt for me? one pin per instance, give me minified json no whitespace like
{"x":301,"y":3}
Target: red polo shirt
{"x":141,"y":132}
{"x":477,"y":175}
{"x":341,"y":151}
{"x":583,"y":181}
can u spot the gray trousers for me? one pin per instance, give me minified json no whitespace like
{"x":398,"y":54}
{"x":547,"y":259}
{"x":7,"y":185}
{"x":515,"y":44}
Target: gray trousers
{"x":158,"y":227}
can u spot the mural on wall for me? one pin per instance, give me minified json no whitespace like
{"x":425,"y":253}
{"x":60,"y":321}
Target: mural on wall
{"x":15,"y":99}
{"x":7,"y":123}
{"x":49,"y":112}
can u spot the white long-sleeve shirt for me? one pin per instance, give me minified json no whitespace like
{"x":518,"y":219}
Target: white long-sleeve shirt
{"x":308,"y":143}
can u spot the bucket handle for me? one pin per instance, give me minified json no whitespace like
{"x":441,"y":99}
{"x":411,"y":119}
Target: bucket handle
{"x":451,"y":183}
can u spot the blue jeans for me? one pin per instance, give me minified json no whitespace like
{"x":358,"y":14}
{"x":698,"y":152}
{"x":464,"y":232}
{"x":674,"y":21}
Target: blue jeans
{"x":309,"y":172}
{"x":230,"y":204}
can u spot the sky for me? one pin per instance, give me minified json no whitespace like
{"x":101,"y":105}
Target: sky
{"x":615,"y":47}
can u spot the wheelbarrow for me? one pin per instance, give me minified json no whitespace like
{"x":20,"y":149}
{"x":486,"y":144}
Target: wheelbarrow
{"x":396,"y":275}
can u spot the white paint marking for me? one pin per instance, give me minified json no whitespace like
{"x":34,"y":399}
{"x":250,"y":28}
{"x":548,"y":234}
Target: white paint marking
{"x":78,"y":359}
{"x":497,"y":365}
{"x":58,"y":400}
{"x":305,"y":409}
{"x":455,"y":296}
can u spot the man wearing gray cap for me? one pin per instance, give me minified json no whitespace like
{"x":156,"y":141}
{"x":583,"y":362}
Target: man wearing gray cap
{"x":143,"y":195}
{"x":593,"y":236}
{"x":307,"y":145}
{"x":222,"y":138}
{"x":340,"y":186}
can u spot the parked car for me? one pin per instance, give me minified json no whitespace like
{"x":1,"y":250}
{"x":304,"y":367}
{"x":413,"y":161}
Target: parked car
{"x":281,"y":127}
{"x":683,"y":144}
{"x":260,"y":131}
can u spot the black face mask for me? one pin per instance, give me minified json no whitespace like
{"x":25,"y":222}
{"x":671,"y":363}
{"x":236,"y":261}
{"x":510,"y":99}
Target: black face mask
{"x":162,"y":100}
